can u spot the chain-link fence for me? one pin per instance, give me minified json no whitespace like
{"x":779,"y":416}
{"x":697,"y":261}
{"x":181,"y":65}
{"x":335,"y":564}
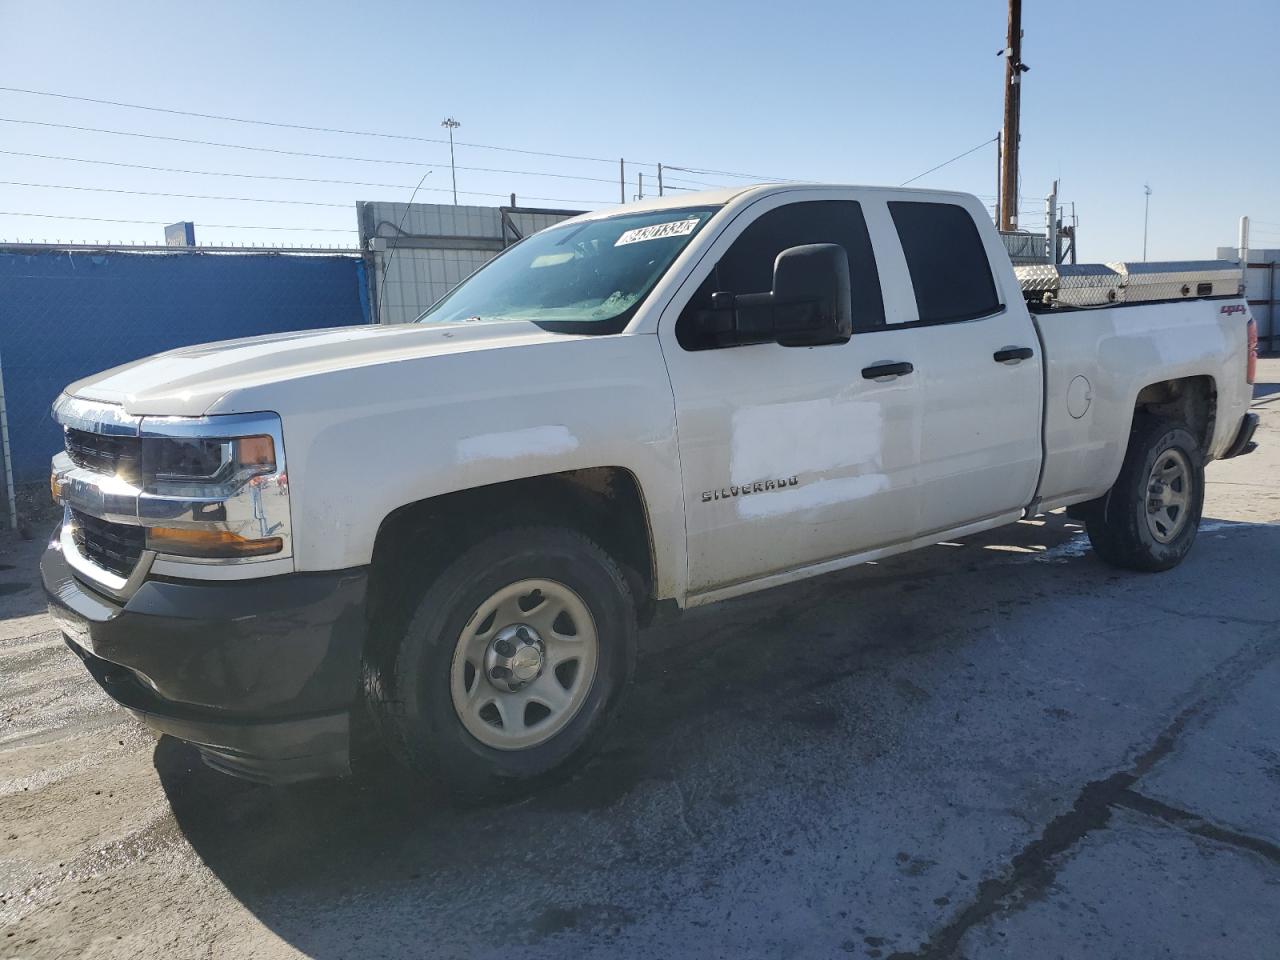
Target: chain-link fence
{"x":66,"y":314}
{"x":1026,"y":248}
{"x":420,"y":251}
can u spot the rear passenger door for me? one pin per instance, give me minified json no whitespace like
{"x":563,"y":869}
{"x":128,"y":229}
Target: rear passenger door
{"x":978,"y":363}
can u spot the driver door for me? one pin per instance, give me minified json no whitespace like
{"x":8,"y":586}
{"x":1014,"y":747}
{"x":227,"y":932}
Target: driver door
{"x":790,"y":456}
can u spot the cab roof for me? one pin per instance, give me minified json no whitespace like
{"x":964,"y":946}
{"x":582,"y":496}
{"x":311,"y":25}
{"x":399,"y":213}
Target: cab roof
{"x":723,"y":195}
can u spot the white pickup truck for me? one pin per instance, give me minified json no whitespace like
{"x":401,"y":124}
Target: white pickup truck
{"x":455,"y":526}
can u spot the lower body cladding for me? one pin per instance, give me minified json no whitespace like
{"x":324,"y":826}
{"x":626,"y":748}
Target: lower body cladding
{"x":261,"y":675}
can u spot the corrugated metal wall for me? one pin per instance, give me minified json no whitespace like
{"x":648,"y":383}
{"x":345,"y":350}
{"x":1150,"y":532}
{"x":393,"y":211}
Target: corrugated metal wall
{"x":421,"y":251}
{"x":65,"y":315}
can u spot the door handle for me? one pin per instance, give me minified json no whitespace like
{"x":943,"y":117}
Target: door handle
{"x":880,"y":371}
{"x":1013,"y":354}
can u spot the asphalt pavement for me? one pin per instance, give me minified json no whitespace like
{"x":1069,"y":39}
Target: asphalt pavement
{"x":999,"y":747}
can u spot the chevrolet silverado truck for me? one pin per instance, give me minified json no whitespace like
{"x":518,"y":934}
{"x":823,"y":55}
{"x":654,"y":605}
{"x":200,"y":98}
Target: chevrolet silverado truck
{"x":455,"y":527}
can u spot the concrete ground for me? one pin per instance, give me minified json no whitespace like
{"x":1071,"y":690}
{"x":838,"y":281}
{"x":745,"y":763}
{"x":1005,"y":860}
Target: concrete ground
{"x":1000,"y":748}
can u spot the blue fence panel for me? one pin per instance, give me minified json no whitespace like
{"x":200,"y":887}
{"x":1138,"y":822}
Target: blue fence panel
{"x":65,"y":315}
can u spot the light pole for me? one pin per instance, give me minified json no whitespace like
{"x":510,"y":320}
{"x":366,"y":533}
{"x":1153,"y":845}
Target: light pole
{"x":1146,"y":217}
{"x":452,"y":124}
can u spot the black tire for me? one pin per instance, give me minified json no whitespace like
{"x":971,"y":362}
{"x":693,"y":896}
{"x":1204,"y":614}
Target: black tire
{"x":1117,"y":525}
{"x":410,"y":695}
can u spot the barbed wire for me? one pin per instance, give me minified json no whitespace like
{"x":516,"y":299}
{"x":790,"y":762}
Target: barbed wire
{"x":165,"y":223}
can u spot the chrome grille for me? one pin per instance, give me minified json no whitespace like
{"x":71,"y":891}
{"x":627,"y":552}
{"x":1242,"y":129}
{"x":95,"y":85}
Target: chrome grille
{"x":113,"y":546}
{"x":104,"y":453}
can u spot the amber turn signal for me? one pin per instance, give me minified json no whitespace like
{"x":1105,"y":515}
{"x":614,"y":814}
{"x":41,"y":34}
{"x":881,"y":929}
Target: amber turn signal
{"x":256,"y":452}
{"x":209,"y":544}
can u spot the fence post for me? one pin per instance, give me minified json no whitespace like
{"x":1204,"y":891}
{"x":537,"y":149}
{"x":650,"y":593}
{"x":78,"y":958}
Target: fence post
{"x":6,"y":455}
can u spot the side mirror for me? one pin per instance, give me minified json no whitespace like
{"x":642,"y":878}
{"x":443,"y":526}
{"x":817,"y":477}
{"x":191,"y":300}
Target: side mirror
{"x":810,"y":304}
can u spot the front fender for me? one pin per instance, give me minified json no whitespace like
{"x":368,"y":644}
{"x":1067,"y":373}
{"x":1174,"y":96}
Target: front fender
{"x":363,"y":442}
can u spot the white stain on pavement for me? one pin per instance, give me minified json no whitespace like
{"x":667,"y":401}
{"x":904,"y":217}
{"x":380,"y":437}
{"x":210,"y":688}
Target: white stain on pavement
{"x":1078,"y":545}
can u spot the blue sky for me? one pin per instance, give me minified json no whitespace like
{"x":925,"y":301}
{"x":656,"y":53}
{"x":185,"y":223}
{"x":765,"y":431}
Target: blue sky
{"x":1174,"y":93}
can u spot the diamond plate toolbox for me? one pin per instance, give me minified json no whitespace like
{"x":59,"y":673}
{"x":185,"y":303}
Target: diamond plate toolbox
{"x":1099,"y":284}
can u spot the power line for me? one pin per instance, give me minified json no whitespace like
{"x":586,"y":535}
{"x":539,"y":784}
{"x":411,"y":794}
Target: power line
{"x":182,"y":196}
{"x":298,"y":153}
{"x":728,"y":173}
{"x":361,"y":133}
{"x":268,"y":176}
{"x":698,"y":184}
{"x":210,"y":226}
{"x":313,"y":129}
{"x":958,"y":156}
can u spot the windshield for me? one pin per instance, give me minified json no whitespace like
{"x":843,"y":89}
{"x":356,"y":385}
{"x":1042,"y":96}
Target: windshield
{"x":581,"y":278}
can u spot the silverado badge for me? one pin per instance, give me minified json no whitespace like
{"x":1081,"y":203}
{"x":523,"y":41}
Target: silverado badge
{"x":760,"y":486}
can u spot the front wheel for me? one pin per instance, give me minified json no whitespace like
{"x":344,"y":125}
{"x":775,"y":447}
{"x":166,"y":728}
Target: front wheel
{"x":1149,"y":518}
{"x":513,"y":662}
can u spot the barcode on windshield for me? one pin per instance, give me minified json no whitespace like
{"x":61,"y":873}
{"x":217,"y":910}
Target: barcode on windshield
{"x":656,"y":231}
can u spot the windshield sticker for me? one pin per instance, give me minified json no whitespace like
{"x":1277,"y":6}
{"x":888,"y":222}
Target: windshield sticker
{"x":658,"y":231}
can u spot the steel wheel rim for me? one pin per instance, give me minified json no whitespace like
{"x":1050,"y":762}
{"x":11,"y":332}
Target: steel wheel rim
{"x":529,"y":614}
{"x":1168,"y":503}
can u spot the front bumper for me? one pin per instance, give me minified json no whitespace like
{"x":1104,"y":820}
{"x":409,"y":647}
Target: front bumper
{"x":261,"y":675}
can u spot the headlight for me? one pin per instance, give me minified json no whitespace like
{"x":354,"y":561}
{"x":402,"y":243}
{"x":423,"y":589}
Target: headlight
{"x":196,"y":491}
{"x":214,"y":461}
{"x":215,"y":489}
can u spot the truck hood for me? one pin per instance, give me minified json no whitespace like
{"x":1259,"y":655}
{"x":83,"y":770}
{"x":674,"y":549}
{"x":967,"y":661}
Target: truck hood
{"x":190,"y":380}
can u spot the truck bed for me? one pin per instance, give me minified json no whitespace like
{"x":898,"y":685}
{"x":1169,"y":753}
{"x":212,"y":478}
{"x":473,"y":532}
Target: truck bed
{"x":1099,"y":358}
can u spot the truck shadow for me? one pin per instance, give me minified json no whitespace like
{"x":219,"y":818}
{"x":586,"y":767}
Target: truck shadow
{"x":1265,"y":393}
{"x":20,"y":592}
{"x":380,"y":864}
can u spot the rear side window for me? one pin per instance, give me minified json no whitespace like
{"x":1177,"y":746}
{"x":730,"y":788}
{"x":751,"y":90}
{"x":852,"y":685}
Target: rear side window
{"x":747,"y":266}
{"x":947,"y":261}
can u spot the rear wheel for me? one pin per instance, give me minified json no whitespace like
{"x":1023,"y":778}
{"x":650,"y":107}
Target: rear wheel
{"x":513,"y":662}
{"x":1149,"y":518}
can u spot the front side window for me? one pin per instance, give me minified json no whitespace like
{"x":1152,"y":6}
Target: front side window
{"x":747,"y":266}
{"x":588,"y":277}
{"x":947,"y":261}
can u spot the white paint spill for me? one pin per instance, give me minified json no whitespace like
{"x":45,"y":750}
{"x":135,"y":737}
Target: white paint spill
{"x":824,"y":493}
{"x":548,"y":441}
{"x":1213,"y":526}
{"x":1078,"y":545}
{"x":804,"y":437}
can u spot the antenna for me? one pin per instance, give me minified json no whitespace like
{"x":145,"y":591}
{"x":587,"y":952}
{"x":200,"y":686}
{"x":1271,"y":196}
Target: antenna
{"x":395,"y":244}
{"x":1146,"y":217}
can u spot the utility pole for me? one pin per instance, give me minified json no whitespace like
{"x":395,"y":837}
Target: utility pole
{"x":999,"y":173}
{"x":1051,"y":224}
{"x":1244,"y":261}
{"x":659,"y":179}
{"x":1146,"y":218}
{"x":453,"y":125}
{"x":622,"y":180}
{"x":1014,"y":68}
{"x":1075,"y":232}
